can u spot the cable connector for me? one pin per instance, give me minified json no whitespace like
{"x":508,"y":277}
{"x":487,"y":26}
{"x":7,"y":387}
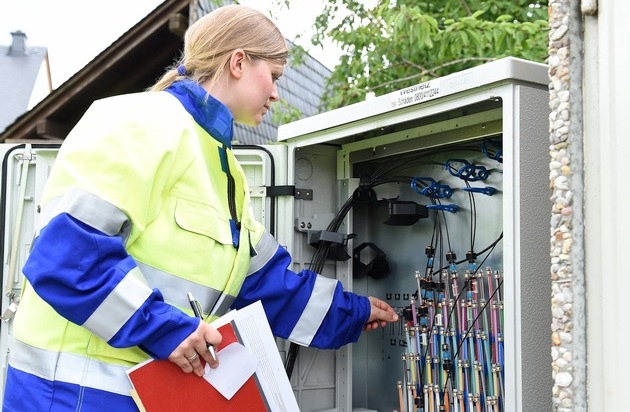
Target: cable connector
{"x":405,"y":213}
{"x":365,"y":192}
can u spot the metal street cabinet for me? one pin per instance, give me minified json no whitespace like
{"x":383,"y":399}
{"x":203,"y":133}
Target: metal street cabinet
{"x":433,"y":198}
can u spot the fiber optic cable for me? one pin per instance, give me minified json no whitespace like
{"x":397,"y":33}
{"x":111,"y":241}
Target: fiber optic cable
{"x":411,"y":400}
{"x":502,"y":394}
{"x":455,"y":401}
{"x":439,"y":341}
{"x":500,"y":360}
{"x":410,"y":354}
{"x":421,"y":331}
{"x":471,"y":314}
{"x":439,"y":399}
{"x":462,"y":378}
{"x":404,"y":382}
{"x":440,"y":356}
{"x":447,"y":363}
{"x":447,"y":404}
{"x":416,"y":335}
{"x":418,"y":277}
{"x":467,"y":326}
{"x":463,"y":364}
{"x":428,"y":376}
{"x":488,"y":368}
{"x":487,"y":337}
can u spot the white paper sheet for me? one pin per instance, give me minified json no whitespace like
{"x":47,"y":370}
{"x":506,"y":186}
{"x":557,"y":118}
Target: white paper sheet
{"x":254,"y":331}
{"x":236,"y":365}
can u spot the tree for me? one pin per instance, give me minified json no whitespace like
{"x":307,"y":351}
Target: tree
{"x":388,"y":45}
{"x":400,"y":43}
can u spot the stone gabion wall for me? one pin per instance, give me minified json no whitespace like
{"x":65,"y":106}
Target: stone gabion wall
{"x":565,"y":211}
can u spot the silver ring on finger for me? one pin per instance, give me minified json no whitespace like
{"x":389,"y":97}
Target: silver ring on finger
{"x":193,"y":357}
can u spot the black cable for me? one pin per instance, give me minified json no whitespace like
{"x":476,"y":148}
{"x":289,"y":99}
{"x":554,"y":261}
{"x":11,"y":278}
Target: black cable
{"x":492,"y":245}
{"x":317,"y":264}
{"x":473,"y":217}
{"x":448,"y":237}
{"x":321,"y":252}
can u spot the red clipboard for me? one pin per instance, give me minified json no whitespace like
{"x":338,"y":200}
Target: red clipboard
{"x":161,"y":386}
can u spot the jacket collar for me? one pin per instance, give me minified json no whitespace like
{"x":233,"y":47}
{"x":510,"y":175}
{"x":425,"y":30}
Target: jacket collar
{"x":212,"y":115}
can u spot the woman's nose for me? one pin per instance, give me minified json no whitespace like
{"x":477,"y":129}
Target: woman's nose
{"x":274,"y":97}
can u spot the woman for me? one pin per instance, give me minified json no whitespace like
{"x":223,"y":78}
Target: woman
{"x":145,"y":203}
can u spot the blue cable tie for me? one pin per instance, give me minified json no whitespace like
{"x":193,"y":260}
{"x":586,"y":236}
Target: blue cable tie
{"x":449,"y":208}
{"x":485,"y":190}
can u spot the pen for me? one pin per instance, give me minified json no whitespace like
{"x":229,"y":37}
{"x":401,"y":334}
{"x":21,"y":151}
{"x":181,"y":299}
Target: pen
{"x":195,"y":307}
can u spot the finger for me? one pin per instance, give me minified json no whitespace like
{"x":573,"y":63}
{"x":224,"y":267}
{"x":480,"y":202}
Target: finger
{"x":381,"y":310}
{"x":370,"y":326}
{"x":386,"y":314}
{"x":192,"y":358}
{"x":379,"y":316}
{"x":380,"y":304}
{"x":183,"y":363}
{"x":213,"y":362}
{"x":213,"y":338}
{"x":195,"y":363}
{"x":390,"y":316}
{"x":198,"y":368}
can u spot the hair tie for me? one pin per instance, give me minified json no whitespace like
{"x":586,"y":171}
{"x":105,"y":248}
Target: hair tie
{"x":181,"y":70}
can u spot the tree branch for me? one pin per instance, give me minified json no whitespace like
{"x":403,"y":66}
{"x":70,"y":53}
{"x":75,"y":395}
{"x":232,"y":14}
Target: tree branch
{"x":467,"y":7}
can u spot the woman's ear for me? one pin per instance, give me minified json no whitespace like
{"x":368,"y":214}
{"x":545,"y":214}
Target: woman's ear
{"x":237,"y":61}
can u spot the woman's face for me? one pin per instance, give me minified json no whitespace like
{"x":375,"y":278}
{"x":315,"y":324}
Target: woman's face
{"x":255,"y":90}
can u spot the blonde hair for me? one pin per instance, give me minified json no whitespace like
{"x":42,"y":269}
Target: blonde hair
{"x":210,"y":41}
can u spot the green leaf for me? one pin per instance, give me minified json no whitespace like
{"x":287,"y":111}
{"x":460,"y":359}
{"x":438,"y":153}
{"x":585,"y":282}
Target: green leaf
{"x":389,"y":44}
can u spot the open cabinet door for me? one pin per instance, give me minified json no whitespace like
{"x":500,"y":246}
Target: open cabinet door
{"x":24,"y":172}
{"x":25,"y":169}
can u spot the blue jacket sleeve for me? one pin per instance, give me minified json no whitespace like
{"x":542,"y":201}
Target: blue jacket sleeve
{"x":75,"y":268}
{"x":304,"y":307}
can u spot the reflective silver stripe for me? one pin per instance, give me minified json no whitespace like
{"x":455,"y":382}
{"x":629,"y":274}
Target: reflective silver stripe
{"x":265,"y":250}
{"x":174,"y":288}
{"x":315,"y":311}
{"x":70,"y":368}
{"x":89,"y":209}
{"x":223,"y":305}
{"x":119,"y":305}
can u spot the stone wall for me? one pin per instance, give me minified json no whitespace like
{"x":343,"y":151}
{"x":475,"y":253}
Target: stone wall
{"x":568,"y":346}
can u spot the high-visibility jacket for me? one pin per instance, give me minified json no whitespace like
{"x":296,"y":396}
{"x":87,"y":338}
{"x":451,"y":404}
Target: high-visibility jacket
{"x":145,"y":203}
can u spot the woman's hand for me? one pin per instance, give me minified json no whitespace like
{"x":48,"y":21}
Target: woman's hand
{"x":380,"y":315}
{"x":189,"y":353}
